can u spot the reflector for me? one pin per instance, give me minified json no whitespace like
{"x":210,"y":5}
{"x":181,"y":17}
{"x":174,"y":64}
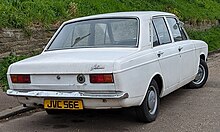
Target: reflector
{"x":20,"y":78}
{"x":101,"y":78}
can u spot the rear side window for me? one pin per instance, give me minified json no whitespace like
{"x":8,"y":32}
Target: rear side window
{"x":155,"y":38}
{"x":176,"y":30}
{"x":161,"y":30}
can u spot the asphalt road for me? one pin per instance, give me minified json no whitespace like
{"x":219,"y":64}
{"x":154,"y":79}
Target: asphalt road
{"x":185,"y":110}
{"x":4,"y":99}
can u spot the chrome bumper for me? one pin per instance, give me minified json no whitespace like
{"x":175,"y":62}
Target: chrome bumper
{"x":65,"y":94}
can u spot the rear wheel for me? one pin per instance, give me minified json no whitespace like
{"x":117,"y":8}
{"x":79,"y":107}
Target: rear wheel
{"x":148,"y":110}
{"x":201,"y":76}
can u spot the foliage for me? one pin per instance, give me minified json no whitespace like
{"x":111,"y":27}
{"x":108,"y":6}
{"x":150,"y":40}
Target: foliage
{"x":210,"y":36}
{"x":184,"y":9}
{"x":23,"y":13}
{"x":4,"y":64}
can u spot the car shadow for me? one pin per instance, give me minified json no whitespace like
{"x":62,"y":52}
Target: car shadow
{"x":110,"y":120}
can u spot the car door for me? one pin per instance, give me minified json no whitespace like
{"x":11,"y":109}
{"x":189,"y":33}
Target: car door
{"x":167,"y":53}
{"x":186,"y":50}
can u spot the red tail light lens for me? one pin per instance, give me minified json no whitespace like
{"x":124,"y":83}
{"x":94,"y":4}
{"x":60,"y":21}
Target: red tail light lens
{"x":20,"y":78}
{"x":101,"y":78}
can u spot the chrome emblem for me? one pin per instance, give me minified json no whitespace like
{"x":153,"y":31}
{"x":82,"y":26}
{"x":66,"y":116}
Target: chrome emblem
{"x":58,"y":77}
{"x":97,"y":67}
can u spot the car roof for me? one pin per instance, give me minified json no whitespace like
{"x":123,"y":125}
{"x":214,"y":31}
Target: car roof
{"x":139,"y":14}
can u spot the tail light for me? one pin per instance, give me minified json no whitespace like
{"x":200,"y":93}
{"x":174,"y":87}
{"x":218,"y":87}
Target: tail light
{"x":20,"y":78}
{"x":101,"y":78}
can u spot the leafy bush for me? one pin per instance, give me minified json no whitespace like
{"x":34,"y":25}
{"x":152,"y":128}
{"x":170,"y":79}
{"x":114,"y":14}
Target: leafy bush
{"x":210,"y":36}
{"x":23,"y":13}
{"x":4,"y":64}
{"x":184,"y":9}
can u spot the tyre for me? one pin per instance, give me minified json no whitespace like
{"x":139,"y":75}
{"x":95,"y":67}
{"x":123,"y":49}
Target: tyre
{"x":148,"y":110}
{"x":201,"y":76}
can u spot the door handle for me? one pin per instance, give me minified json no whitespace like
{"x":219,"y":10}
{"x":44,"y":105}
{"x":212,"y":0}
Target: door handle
{"x":180,"y":48}
{"x":160,"y":53}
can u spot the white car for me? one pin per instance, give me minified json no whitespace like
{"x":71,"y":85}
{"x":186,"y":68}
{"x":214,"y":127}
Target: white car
{"x":111,"y":61}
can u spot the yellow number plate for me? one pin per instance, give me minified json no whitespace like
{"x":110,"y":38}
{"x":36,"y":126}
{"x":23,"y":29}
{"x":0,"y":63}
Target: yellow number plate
{"x":63,"y":104}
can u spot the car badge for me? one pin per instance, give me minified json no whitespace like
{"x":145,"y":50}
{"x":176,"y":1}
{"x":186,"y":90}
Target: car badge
{"x":97,"y":67}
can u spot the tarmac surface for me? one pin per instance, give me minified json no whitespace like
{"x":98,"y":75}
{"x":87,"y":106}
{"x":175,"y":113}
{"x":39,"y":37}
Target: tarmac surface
{"x":7,"y":102}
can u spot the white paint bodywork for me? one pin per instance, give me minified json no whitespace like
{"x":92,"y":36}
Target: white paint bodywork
{"x":133,"y":69}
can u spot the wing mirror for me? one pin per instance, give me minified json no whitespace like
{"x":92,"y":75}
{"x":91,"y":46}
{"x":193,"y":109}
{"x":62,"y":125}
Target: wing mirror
{"x":180,"y":23}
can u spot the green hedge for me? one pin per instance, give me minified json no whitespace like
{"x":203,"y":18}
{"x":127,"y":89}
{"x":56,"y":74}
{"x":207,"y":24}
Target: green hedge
{"x":210,"y":36}
{"x":23,"y":13}
{"x":185,"y":9}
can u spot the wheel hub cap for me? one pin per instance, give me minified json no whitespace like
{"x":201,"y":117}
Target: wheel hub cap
{"x":152,"y":101}
{"x":200,"y":75}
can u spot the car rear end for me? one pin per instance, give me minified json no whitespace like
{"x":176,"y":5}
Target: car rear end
{"x":91,"y":91}
{"x":61,"y":84}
